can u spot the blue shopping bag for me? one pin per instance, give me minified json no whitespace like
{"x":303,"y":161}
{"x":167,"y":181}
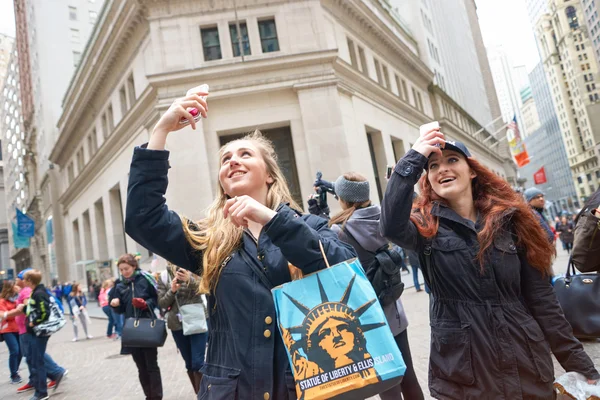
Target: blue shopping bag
{"x":336,"y":335}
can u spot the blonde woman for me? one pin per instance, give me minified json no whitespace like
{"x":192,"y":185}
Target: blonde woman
{"x":241,"y":249}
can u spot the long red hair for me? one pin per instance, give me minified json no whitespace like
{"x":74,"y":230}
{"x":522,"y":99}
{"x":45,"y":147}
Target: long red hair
{"x":499,"y":206}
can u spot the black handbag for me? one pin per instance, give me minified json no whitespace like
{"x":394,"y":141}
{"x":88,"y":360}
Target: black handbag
{"x":143,"y":332}
{"x":579,"y":297}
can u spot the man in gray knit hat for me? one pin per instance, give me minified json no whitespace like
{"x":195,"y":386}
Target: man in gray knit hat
{"x":536,"y":200}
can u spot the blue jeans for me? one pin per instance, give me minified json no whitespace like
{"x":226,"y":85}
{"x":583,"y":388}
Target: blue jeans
{"x":14,"y":350}
{"x":37,"y":350}
{"x":53,"y":370}
{"x":118,"y":321}
{"x":111,"y":323}
{"x":192,"y":349}
{"x":415,"y":271}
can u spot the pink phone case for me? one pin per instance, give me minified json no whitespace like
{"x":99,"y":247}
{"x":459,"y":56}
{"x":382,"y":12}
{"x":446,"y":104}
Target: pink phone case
{"x":195,"y":113}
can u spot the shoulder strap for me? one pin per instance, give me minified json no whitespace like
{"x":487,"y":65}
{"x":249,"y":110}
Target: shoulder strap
{"x":257,"y":270}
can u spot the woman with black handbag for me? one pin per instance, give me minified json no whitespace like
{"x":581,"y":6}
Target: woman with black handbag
{"x":135,"y":296}
{"x":494,"y":315}
{"x":177,"y":287}
{"x":358,"y":225}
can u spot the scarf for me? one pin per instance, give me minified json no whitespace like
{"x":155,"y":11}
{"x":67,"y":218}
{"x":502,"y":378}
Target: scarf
{"x":147,"y":275}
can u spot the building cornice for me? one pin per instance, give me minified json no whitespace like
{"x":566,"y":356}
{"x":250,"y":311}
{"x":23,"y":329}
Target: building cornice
{"x":388,"y":34}
{"x":119,"y":22}
{"x":355,"y":83}
{"x":137,"y":118}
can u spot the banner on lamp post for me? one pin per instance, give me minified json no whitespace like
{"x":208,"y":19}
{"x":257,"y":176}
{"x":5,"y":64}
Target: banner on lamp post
{"x":540,"y":176}
{"x":25,"y":225}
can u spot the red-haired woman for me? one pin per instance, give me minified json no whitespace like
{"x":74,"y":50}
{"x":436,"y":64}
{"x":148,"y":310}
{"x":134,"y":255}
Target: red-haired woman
{"x":494,"y":315}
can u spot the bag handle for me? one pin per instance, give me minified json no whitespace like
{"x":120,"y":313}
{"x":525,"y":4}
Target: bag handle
{"x":323,"y":254}
{"x":134,"y":308}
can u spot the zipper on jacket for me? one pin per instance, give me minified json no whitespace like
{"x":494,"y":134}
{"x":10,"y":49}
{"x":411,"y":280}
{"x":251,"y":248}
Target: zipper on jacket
{"x":594,"y":235}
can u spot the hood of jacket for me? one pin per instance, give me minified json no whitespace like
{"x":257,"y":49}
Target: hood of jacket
{"x":363,"y":225}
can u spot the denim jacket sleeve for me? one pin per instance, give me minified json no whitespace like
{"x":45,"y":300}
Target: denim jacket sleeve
{"x":148,"y":220}
{"x":396,"y":206}
{"x":541,"y":300}
{"x":298,"y":239}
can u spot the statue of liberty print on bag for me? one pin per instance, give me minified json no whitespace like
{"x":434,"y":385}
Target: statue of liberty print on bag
{"x":338,"y":349}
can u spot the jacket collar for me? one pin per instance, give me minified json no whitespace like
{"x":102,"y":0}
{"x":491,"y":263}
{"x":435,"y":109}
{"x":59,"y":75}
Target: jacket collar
{"x":443,"y":211}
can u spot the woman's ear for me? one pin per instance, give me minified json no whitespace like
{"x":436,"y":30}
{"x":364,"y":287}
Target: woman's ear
{"x":270,"y":180}
{"x":473,"y":174}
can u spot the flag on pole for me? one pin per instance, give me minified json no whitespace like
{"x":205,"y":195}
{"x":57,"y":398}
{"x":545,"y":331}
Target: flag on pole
{"x":21,"y":242}
{"x":25,"y":225}
{"x":516,"y":144}
{"x":540,"y":176}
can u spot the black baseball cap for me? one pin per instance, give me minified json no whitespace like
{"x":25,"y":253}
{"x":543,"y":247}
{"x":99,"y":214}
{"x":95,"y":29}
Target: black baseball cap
{"x":457,"y":146}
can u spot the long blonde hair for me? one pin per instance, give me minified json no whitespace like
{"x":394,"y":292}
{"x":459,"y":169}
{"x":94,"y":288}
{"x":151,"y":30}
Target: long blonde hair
{"x":343,"y":216}
{"x":215,"y":236}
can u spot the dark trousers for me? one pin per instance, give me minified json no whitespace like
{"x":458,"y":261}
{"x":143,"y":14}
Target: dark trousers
{"x":38,"y":349}
{"x":409,"y":387}
{"x":14,"y":350}
{"x":53,"y":370}
{"x":148,"y":371}
{"x":192,"y":349}
{"x":111,"y":322}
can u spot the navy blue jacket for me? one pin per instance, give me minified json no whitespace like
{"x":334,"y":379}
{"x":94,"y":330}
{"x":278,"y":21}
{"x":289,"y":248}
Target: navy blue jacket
{"x":246,"y":358}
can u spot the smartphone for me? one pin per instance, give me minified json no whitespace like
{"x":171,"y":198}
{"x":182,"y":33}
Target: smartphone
{"x":423,"y":129}
{"x":388,"y":173}
{"x":195,"y":113}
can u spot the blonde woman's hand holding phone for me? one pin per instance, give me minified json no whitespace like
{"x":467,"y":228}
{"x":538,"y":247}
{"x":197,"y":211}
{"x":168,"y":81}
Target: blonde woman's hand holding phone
{"x":242,"y":209}
{"x":182,"y":112}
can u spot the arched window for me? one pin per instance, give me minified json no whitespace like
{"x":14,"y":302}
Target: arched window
{"x":572,"y":17}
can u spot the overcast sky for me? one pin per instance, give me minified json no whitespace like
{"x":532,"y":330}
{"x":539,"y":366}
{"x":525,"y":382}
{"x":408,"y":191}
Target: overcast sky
{"x":506,"y":23}
{"x":7,"y":18}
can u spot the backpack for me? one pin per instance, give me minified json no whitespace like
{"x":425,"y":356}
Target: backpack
{"x":384,"y":271}
{"x":54,"y":323}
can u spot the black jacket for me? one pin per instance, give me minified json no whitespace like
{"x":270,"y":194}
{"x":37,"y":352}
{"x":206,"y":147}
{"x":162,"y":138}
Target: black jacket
{"x":565,"y":231}
{"x":38,"y":307}
{"x":125,"y":292}
{"x":246,"y":358}
{"x":491,"y":332}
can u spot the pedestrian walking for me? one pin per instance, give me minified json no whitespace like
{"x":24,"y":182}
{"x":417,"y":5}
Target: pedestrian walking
{"x":536,"y":200}
{"x":77,"y":304}
{"x":251,"y":232}
{"x":565,"y":233}
{"x":494,"y":314}
{"x":176,"y":288}
{"x":38,"y":311}
{"x":111,"y":331}
{"x":358,"y":225}
{"x":135,"y":297}
{"x":9,"y":329}
{"x":54,"y":372}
